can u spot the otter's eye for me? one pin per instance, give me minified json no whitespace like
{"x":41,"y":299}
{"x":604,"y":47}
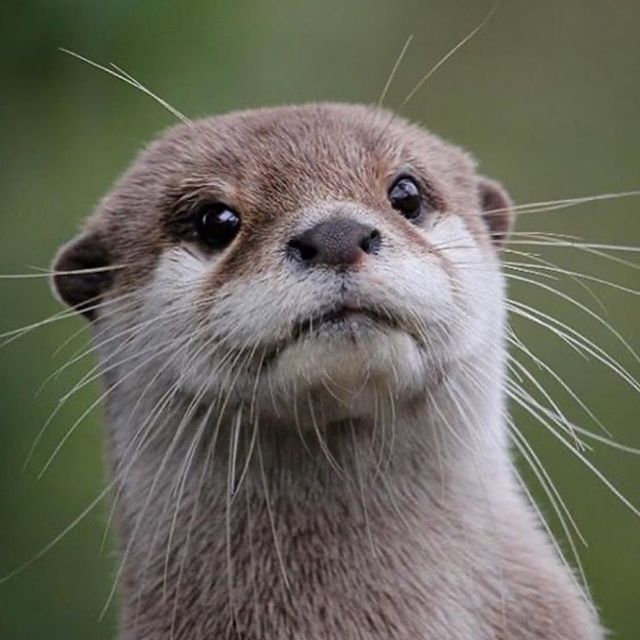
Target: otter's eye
{"x":406,"y":198}
{"x":216,"y":225}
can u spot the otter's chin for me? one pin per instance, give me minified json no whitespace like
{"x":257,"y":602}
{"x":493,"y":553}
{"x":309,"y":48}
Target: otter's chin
{"x":350,"y":361}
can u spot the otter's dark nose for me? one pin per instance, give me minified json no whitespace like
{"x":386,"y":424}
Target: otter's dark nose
{"x":336,"y":242}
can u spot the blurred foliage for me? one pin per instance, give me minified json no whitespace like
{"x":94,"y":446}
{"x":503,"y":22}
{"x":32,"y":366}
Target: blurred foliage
{"x":546,"y":96}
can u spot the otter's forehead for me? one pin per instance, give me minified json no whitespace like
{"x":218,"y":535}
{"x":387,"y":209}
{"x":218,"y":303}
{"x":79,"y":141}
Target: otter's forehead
{"x":286,"y":157}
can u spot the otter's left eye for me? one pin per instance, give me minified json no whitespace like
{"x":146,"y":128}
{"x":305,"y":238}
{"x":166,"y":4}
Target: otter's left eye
{"x":406,"y":198}
{"x":217,"y":225}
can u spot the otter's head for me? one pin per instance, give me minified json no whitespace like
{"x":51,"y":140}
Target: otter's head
{"x":324,"y":251}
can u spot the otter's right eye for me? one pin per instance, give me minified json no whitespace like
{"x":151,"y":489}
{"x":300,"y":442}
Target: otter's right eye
{"x":216,"y":225}
{"x":406,"y":198}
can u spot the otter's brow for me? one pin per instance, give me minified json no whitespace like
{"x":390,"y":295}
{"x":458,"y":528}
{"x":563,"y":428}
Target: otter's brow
{"x":183,"y":199}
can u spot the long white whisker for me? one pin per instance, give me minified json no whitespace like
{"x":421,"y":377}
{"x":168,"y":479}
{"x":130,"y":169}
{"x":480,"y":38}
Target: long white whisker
{"x":392,"y":75}
{"x":450,"y":53}
{"x":126,"y":78}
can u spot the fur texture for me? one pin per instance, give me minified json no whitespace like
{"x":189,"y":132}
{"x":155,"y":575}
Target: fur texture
{"x":282,"y":476}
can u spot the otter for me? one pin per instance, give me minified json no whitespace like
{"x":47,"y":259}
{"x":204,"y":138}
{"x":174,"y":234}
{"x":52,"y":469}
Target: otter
{"x":300,"y":318}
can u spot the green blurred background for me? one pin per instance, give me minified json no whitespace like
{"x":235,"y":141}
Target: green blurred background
{"x":548,"y":98}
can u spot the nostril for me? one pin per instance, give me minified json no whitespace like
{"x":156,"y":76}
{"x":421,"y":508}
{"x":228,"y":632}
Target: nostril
{"x":371,"y":242}
{"x":302,"y":250}
{"x":337,"y":241}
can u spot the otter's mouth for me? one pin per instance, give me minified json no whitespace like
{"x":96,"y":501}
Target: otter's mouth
{"x":340,"y":322}
{"x":340,"y":318}
{"x":343,"y":319}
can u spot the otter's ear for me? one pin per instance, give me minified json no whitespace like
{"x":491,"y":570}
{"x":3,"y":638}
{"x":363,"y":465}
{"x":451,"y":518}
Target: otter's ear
{"x":497,"y":210}
{"x":81,"y":273}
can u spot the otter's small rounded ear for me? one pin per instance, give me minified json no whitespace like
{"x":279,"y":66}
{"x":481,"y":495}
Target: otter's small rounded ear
{"x":497,"y":210}
{"x":81,"y":273}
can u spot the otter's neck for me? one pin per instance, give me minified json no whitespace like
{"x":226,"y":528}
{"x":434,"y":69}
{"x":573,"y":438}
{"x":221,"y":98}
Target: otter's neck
{"x":260,"y":530}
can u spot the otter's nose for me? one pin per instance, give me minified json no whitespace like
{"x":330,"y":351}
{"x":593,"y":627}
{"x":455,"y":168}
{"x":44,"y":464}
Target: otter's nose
{"x":336,"y":242}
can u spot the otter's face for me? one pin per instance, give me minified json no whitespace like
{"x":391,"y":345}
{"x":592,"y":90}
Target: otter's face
{"x":317,"y":251}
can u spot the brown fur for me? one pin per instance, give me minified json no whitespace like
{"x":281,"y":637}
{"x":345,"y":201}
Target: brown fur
{"x":355,"y":536}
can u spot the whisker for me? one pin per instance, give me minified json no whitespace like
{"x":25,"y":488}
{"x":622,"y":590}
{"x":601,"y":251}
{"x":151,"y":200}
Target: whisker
{"x":450,"y":53}
{"x":48,"y":273}
{"x":616,"y":492}
{"x":564,"y":203}
{"x":270,"y":515}
{"x":392,"y":75}
{"x":126,"y":78}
